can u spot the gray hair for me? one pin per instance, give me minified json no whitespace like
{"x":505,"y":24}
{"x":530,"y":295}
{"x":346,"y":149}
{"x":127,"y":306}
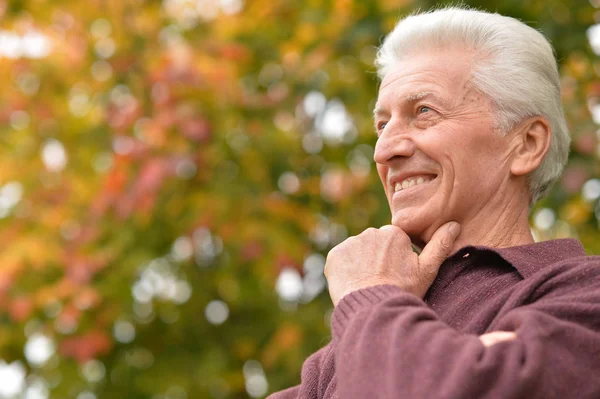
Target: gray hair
{"x":515,"y":67}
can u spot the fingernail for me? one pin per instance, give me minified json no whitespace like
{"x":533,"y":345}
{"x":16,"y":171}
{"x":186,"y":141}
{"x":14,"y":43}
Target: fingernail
{"x":454,"y":229}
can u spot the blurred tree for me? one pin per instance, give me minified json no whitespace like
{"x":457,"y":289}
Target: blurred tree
{"x":174,"y":172}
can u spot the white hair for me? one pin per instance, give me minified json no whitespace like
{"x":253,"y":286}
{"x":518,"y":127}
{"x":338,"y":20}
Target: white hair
{"x":515,"y":67}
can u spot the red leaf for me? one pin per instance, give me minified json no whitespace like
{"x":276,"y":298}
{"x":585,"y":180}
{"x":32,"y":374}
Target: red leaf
{"x":86,"y":346}
{"x":196,"y":129}
{"x":21,"y":308}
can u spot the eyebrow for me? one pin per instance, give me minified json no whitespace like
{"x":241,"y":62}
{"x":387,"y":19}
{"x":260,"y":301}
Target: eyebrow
{"x":410,"y":99}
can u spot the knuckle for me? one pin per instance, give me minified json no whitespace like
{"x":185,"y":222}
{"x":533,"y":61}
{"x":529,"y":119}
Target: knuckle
{"x":445,"y":243}
{"x":331,"y":254}
{"x":327,"y":269}
{"x":403,"y":238}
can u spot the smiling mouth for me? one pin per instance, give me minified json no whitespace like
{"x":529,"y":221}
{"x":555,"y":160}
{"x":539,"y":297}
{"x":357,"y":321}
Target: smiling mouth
{"x":412,"y":182}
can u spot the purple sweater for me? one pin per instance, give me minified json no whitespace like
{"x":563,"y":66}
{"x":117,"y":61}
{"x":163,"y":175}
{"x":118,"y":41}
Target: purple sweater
{"x":390,"y":344}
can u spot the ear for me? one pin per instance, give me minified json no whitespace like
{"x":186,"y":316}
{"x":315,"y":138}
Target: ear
{"x":533,"y":141}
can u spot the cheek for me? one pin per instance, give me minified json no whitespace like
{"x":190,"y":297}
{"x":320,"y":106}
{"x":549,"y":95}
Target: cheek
{"x":489,"y":158}
{"x":478,"y":175}
{"x":440,"y":153}
{"x":382,"y":172}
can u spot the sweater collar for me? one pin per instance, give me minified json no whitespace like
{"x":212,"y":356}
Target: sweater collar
{"x":530,"y":258}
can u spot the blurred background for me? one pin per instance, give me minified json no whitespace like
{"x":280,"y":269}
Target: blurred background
{"x":174,"y":172}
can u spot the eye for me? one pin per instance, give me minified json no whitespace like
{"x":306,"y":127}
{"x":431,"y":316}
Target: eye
{"x":423,"y":109}
{"x":381,"y":126}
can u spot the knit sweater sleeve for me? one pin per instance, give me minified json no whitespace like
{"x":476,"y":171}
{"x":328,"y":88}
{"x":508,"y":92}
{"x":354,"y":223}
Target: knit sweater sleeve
{"x":318,"y":377}
{"x":390,"y":344}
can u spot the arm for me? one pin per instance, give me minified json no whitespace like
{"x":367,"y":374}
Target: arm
{"x":318,"y":379}
{"x":390,"y":344}
{"x":319,"y":371}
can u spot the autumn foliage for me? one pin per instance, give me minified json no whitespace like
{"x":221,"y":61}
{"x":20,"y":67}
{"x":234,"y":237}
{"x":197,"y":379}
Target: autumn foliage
{"x":174,"y":172}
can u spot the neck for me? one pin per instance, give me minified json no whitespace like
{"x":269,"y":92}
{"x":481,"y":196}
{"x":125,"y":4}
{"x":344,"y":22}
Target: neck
{"x":503,"y":223}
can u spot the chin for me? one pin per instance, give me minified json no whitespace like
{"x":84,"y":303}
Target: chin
{"x":419,"y":229}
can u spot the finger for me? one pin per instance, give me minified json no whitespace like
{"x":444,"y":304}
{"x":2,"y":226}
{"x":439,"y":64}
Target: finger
{"x":495,"y":337}
{"x":439,"y":247}
{"x":399,"y":235}
{"x":396,"y":230}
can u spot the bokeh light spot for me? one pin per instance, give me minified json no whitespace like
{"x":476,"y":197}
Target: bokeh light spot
{"x":86,"y":395}
{"x":124,"y":331}
{"x":182,"y":249}
{"x":216,"y":312}
{"x":288,"y":183}
{"x":101,"y":28}
{"x":591,"y":190}
{"x":289,"y":284}
{"x":54,"y":155}
{"x":12,"y":378}
{"x":101,"y":71}
{"x":37,"y":388}
{"x":105,"y":48}
{"x":231,"y":6}
{"x":93,"y":370}
{"x":38,"y":349}
{"x":255,"y":379}
{"x":19,"y":120}
{"x":544,"y":218}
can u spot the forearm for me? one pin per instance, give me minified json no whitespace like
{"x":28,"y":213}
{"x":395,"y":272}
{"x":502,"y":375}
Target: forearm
{"x":390,"y":344}
{"x":318,"y":377}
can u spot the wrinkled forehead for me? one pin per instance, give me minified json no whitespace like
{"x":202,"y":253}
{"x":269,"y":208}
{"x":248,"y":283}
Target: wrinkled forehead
{"x":444,"y":75}
{"x":450,"y":62}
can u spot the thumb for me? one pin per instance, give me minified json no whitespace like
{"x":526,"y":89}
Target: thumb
{"x":439,"y":247}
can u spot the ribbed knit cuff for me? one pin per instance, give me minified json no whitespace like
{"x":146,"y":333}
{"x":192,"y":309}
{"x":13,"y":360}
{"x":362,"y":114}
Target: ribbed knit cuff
{"x":364,"y":299}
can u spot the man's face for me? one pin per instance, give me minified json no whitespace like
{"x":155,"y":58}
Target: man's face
{"x":438,"y":155}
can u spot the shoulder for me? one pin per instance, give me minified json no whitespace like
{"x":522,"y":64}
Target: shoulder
{"x":573,"y":268}
{"x":547,"y":259}
{"x":576,"y":277}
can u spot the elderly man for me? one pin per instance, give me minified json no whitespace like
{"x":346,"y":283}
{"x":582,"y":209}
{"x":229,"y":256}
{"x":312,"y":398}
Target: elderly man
{"x":471,"y":132}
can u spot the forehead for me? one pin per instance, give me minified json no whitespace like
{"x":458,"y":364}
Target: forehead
{"x":445,"y":73}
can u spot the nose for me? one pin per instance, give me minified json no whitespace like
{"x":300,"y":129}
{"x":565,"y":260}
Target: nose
{"x":392,"y":145}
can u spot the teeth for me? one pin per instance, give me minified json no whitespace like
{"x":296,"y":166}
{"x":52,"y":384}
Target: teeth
{"x":411,"y":181}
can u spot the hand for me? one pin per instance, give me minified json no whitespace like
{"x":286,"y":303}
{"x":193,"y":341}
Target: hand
{"x":495,"y":337}
{"x":385,"y":256}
